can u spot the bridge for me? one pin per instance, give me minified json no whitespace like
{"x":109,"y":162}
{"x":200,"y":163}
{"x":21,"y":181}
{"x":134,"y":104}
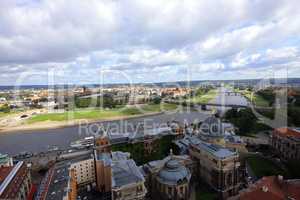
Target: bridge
{"x":210,"y":104}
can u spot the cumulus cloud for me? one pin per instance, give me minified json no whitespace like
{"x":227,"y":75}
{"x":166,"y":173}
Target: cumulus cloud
{"x":147,"y":40}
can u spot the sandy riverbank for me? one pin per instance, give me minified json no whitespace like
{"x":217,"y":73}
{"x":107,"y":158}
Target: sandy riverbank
{"x":56,"y":124}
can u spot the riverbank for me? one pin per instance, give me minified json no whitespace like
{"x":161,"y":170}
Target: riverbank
{"x":77,"y":117}
{"x":49,"y":125}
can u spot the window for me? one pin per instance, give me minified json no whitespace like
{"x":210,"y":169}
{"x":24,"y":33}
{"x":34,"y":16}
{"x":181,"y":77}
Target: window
{"x":169,"y":190}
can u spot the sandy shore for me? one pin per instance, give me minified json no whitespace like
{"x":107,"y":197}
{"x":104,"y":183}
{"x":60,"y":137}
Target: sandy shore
{"x":46,"y":125}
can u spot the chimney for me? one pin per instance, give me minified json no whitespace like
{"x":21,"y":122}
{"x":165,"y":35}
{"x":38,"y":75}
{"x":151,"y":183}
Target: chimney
{"x":265,"y":189}
{"x":280,"y":180}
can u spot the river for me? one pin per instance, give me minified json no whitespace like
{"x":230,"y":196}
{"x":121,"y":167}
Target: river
{"x":40,"y":140}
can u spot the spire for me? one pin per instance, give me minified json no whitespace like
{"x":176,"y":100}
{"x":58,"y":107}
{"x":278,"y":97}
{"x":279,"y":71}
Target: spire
{"x":171,"y":153}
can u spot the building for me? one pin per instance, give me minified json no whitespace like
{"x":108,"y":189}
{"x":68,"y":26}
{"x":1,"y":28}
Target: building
{"x":65,"y":177}
{"x":169,"y":178}
{"x":219,"y":167}
{"x":15,"y":182}
{"x":84,"y":171}
{"x":286,"y":141}
{"x":103,"y":164}
{"x":127,"y":181}
{"x":271,"y":188}
{"x":102,"y":145}
{"x":119,"y":177}
{"x":5,"y":160}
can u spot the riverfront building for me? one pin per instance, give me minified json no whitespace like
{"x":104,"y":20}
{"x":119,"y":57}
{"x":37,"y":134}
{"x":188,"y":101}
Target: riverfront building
{"x":119,"y":177}
{"x":219,"y":167}
{"x":64,"y":178}
{"x":109,"y":175}
{"x":15,"y":182}
{"x":169,"y":178}
{"x":286,"y":141}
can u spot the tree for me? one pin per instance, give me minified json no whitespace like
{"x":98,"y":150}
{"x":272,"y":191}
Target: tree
{"x":5,"y":108}
{"x":156,"y":100}
{"x":243,"y":119}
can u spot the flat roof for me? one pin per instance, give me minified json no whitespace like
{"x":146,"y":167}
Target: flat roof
{"x":217,"y":150}
{"x":214,"y":149}
{"x":125,"y":172}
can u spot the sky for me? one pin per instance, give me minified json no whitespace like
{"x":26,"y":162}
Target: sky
{"x":119,"y":41}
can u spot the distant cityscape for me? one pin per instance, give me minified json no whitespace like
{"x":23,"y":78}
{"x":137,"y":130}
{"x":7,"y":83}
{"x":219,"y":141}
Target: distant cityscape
{"x":204,"y":141}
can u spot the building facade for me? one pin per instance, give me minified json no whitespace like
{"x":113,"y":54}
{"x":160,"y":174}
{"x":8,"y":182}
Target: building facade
{"x":286,"y":141}
{"x":127,"y":181}
{"x":84,"y":171}
{"x":169,"y":178}
{"x":218,"y":167}
{"x":173,"y":181}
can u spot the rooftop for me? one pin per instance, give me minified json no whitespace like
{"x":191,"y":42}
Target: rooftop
{"x":9,"y":175}
{"x":215,"y":150}
{"x":272,"y":188}
{"x":60,"y":177}
{"x":4,"y":158}
{"x":288,"y":132}
{"x":125,"y":172}
{"x":4,"y":171}
{"x":174,"y":173}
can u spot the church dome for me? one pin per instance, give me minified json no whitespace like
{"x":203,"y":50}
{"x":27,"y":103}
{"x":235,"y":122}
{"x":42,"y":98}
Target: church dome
{"x":173,"y":173}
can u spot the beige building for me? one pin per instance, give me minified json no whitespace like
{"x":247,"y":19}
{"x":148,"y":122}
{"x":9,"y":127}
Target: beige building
{"x":127,"y":181}
{"x":119,"y":177}
{"x":286,"y":141}
{"x":169,"y":178}
{"x":84,"y":171}
{"x":217,"y":166}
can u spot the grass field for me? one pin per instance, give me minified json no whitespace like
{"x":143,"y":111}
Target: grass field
{"x":264,"y":167}
{"x":210,"y":95}
{"x":254,"y":98}
{"x":101,"y":113}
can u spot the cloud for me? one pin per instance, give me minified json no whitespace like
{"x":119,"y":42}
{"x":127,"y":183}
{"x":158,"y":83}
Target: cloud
{"x":147,"y":40}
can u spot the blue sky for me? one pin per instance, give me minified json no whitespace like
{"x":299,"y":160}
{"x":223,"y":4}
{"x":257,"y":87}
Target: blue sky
{"x":115,"y":41}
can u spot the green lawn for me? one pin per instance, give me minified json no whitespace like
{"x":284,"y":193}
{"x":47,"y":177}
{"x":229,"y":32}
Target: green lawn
{"x":254,"y":98}
{"x":101,"y":113}
{"x":205,"y":98}
{"x":264,"y":167}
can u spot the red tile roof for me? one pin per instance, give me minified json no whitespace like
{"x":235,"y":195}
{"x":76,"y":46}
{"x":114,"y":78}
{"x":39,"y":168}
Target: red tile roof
{"x":271,"y":188}
{"x":4,"y":171}
{"x":285,"y":132}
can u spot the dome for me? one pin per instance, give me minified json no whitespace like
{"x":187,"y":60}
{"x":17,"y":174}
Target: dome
{"x":173,"y":173}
